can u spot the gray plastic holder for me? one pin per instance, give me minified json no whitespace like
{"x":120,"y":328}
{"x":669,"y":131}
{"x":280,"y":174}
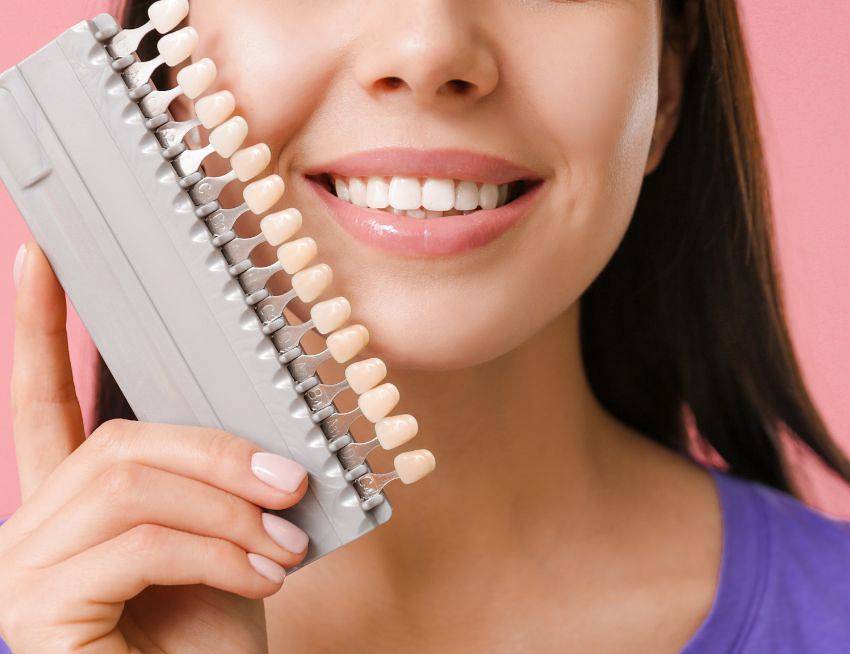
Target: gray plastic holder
{"x":140,"y":269}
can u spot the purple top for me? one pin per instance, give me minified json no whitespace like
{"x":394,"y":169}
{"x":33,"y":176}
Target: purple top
{"x":784,"y":578}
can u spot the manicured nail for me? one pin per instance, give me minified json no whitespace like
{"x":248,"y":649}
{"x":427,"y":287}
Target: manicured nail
{"x":18,"y":267}
{"x":266,"y":567}
{"x":284,"y":474}
{"x":285,"y":534}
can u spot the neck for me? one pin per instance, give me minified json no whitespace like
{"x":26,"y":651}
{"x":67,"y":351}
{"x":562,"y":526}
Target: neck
{"x":516,"y":439}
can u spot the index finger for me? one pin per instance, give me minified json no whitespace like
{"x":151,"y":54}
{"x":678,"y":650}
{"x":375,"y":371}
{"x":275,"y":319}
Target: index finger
{"x":47,"y":423}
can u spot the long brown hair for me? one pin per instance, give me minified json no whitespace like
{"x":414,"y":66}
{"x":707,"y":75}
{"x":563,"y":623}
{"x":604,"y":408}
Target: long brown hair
{"x":687,"y":316}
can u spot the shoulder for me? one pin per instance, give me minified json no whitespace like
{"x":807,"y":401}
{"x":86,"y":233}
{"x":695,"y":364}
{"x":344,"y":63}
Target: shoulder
{"x":801,"y":595}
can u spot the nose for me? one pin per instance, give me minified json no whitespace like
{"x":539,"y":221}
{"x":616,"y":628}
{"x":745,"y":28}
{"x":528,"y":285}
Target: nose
{"x":433,"y":50}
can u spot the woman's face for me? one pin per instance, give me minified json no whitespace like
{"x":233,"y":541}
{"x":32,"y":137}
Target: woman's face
{"x":557,"y":100}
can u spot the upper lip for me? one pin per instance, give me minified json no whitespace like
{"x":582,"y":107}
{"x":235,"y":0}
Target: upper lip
{"x":438,"y":164}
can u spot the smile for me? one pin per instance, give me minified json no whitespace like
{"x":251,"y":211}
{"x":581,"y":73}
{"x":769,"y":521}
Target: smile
{"x":426,"y":203}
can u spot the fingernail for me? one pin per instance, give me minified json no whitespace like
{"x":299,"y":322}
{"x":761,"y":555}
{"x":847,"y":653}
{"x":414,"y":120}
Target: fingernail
{"x":266,"y":567}
{"x":285,"y":534}
{"x":283,"y":474}
{"x":18,"y":267}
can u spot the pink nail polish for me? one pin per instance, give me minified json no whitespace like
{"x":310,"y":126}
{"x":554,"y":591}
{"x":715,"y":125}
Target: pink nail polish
{"x":284,"y":474}
{"x":18,"y":266}
{"x":266,"y":567}
{"x":285,"y":534}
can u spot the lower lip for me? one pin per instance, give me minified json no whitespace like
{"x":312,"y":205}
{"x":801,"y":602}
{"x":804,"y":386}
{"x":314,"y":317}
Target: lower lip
{"x":430,"y":237}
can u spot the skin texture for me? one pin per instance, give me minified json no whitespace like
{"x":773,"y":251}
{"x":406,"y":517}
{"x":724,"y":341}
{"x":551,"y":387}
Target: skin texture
{"x":548,"y":525}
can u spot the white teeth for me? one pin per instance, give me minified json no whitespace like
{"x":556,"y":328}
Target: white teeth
{"x":341,"y":189}
{"x":428,"y":198}
{"x":357,"y":190}
{"x":438,"y":194}
{"x":405,"y":193}
{"x":377,"y":193}
{"x":466,"y":196}
{"x":489,"y":196}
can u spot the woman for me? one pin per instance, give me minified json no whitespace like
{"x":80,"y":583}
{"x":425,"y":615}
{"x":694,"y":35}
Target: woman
{"x":556,"y":362}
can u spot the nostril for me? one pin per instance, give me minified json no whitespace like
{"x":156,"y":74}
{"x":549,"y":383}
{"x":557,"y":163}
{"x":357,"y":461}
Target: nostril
{"x":389,"y":83}
{"x":460,"y":85}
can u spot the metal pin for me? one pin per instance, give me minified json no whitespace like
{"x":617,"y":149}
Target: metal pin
{"x":209,"y":189}
{"x":221,"y":222}
{"x":271,"y":309}
{"x":306,"y":365}
{"x":321,"y":395}
{"x":239,"y":249}
{"x":339,"y":423}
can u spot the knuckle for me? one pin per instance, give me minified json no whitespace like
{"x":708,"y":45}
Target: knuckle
{"x":141,"y":539}
{"x":119,"y":481}
{"x":223,"y":447}
{"x":241,"y":516}
{"x":110,"y":434}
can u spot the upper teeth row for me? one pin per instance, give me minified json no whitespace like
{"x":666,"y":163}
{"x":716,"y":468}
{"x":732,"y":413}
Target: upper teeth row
{"x":411,"y":193}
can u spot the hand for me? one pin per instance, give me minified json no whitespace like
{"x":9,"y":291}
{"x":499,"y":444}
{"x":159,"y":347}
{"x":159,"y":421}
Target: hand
{"x":141,"y":538}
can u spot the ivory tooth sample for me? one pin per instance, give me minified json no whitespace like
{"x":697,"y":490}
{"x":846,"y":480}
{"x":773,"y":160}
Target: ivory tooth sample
{"x":365,"y":375}
{"x":227,"y":137}
{"x":165,"y":15}
{"x":293,"y":256}
{"x":263,"y":194}
{"x":178,"y":46}
{"x":413,"y":466}
{"x":213,"y":110}
{"x":330,"y":315}
{"x":345,"y":344}
{"x":196,"y":78}
{"x":378,"y":402}
{"x":250,"y":162}
{"x":311,"y":282}
{"x":280,"y":226}
{"x":395,"y":431}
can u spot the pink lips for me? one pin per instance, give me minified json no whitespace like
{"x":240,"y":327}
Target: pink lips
{"x":432,"y":236}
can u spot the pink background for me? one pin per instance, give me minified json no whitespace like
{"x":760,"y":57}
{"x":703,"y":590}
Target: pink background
{"x":801,"y":57}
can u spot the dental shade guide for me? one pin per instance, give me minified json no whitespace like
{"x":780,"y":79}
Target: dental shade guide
{"x":112,"y":190}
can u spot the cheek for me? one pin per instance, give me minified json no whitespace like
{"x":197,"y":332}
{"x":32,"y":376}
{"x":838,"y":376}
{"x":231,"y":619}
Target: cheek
{"x":277,"y":62}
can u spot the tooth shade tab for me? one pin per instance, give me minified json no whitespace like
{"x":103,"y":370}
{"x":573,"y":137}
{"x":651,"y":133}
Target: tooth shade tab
{"x":395,"y":431}
{"x":365,"y":375}
{"x":213,"y":110}
{"x":295,"y":255}
{"x":330,"y":315}
{"x":311,"y":282}
{"x":250,"y":162}
{"x":280,"y":226}
{"x":262,"y":195}
{"x":378,"y":402}
{"x":196,"y":78}
{"x":165,"y":15}
{"x":413,"y":466}
{"x":178,"y":46}
{"x":229,"y":136}
{"x":347,"y":342}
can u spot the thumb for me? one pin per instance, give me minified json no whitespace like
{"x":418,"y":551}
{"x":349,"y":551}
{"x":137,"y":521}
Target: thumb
{"x":46,"y":418}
